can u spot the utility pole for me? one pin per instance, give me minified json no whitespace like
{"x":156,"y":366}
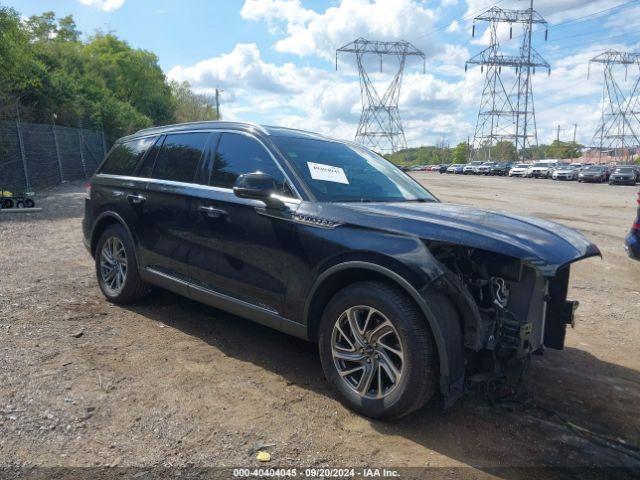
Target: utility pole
{"x":218,"y":92}
{"x":380,"y":127}
{"x":574,"y":147}
{"x":558,"y":135}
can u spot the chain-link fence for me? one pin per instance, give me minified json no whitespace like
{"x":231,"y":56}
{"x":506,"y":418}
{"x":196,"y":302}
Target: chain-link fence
{"x":34,"y":156}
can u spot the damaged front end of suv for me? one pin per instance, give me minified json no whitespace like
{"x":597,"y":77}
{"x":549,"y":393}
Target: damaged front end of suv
{"x":505,"y":276}
{"x":510,"y":309}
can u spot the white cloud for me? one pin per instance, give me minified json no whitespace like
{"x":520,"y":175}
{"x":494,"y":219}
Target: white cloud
{"x":105,"y":5}
{"x":290,"y":11}
{"x":454,"y":27}
{"x":320,"y":34}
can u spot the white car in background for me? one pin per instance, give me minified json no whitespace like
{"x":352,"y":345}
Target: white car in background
{"x":472,"y":167}
{"x":565,"y":172}
{"x":540,"y":170}
{"x":519,"y":170}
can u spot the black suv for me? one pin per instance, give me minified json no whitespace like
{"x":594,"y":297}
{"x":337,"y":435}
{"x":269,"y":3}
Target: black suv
{"x":327,"y":241}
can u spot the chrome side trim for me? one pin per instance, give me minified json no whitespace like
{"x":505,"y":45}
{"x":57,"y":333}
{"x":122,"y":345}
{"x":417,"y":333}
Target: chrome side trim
{"x":198,"y":186}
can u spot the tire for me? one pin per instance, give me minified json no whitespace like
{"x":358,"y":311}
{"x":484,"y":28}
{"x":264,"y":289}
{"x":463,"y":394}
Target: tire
{"x":131,"y":287}
{"x":418,"y":370}
{"x":29,"y":203}
{"x":7,"y":203}
{"x":19,"y":204}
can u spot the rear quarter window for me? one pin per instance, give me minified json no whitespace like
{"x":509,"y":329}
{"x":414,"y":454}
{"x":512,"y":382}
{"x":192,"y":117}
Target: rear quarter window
{"x":125,"y":156}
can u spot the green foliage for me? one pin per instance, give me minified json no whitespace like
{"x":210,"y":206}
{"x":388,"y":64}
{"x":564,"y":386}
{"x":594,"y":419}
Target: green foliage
{"x":53,"y":75}
{"x":460,"y":153}
{"x":191,"y":107}
{"x":429,"y":155}
{"x":504,"y":151}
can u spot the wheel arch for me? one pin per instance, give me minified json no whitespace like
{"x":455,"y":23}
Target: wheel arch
{"x":103,"y":221}
{"x":448,"y":338}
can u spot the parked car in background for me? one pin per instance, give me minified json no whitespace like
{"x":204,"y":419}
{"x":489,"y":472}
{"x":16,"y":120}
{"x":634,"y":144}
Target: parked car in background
{"x":457,"y":168}
{"x":485,"y":168}
{"x":623,"y":176}
{"x":472,"y":167}
{"x":632,"y":242}
{"x":565,"y":172}
{"x":540,"y":170}
{"x":593,"y":173}
{"x":405,"y":297}
{"x":519,"y":170}
{"x":501,"y":168}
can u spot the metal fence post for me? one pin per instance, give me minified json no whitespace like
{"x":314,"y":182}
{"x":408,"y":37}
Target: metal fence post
{"x":55,"y":141}
{"x":24,"y":156}
{"x":104,"y":145}
{"x":81,"y":142}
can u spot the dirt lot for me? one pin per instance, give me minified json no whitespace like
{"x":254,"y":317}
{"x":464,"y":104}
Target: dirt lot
{"x":170,"y":382}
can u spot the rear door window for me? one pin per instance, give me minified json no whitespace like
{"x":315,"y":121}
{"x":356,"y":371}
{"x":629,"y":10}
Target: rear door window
{"x":238,"y":154}
{"x":125,"y":156}
{"x":179,"y":156}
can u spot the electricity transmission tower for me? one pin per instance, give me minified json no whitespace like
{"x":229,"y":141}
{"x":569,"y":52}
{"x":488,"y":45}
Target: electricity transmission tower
{"x":380,"y":127}
{"x":506,"y":109}
{"x":619,"y":123}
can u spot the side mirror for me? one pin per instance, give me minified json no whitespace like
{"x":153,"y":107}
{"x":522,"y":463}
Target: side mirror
{"x":258,"y":186}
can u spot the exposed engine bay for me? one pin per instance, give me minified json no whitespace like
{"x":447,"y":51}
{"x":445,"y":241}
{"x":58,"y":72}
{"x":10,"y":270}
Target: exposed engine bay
{"x":517,"y":311}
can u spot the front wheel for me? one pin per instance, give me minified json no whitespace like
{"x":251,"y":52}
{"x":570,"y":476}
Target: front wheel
{"x":377,"y":350}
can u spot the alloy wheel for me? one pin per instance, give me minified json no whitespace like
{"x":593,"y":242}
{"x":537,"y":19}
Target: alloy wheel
{"x":367,"y":352}
{"x":113,"y":265}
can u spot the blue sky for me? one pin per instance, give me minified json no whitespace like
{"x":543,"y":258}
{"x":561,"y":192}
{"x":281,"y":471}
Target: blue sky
{"x":275,"y":58}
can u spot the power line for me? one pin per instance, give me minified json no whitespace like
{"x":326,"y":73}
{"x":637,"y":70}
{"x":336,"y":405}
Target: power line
{"x":587,"y":18}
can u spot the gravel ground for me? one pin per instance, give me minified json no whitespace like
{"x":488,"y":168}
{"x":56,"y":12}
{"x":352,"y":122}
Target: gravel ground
{"x":171,"y":382}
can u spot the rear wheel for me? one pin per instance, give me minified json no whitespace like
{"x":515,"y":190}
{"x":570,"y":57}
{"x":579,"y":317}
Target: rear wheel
{"x":29,"y":203}
{"x":117,"y":268}
{"x":377,"y":350}
{"x":19,"y":204}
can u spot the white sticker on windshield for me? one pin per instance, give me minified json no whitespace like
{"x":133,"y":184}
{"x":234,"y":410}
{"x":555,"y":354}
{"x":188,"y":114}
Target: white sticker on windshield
{"x":327,"y":173}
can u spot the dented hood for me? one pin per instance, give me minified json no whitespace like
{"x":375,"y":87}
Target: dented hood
{"x":547,"y":245}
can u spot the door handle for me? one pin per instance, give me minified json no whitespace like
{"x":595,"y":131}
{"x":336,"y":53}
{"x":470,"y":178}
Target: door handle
{"x":211,"y":212}
{"x":136,"y":198}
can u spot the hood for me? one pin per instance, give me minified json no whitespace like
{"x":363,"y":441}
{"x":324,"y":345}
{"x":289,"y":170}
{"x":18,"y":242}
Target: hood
{"x":546,"y":245}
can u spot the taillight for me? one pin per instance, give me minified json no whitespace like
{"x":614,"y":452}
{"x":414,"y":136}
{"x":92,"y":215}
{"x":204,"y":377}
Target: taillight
{"x":87,"y":191}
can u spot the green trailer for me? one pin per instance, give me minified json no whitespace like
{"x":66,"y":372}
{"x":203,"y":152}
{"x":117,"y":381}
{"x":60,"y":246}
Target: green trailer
{"x":15,"y":199}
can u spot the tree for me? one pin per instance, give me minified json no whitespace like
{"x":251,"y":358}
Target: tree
{"x":42,"y":27}
{"x":460,"y":153}
{"x":190,"y":106}
{"x":504,"y":151}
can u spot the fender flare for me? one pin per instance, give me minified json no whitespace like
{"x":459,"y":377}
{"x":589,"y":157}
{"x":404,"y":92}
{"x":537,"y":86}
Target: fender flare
{"x":451,"y":358}
{"x":110,"y":214}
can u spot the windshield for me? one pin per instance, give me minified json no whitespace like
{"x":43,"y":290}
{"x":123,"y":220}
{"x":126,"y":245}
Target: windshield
{"x":522,"y":165}
{"x":593,"y":169}
{"x":336,"y":172}
{"x":541,"y":165}
{"x":623,"y":170}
